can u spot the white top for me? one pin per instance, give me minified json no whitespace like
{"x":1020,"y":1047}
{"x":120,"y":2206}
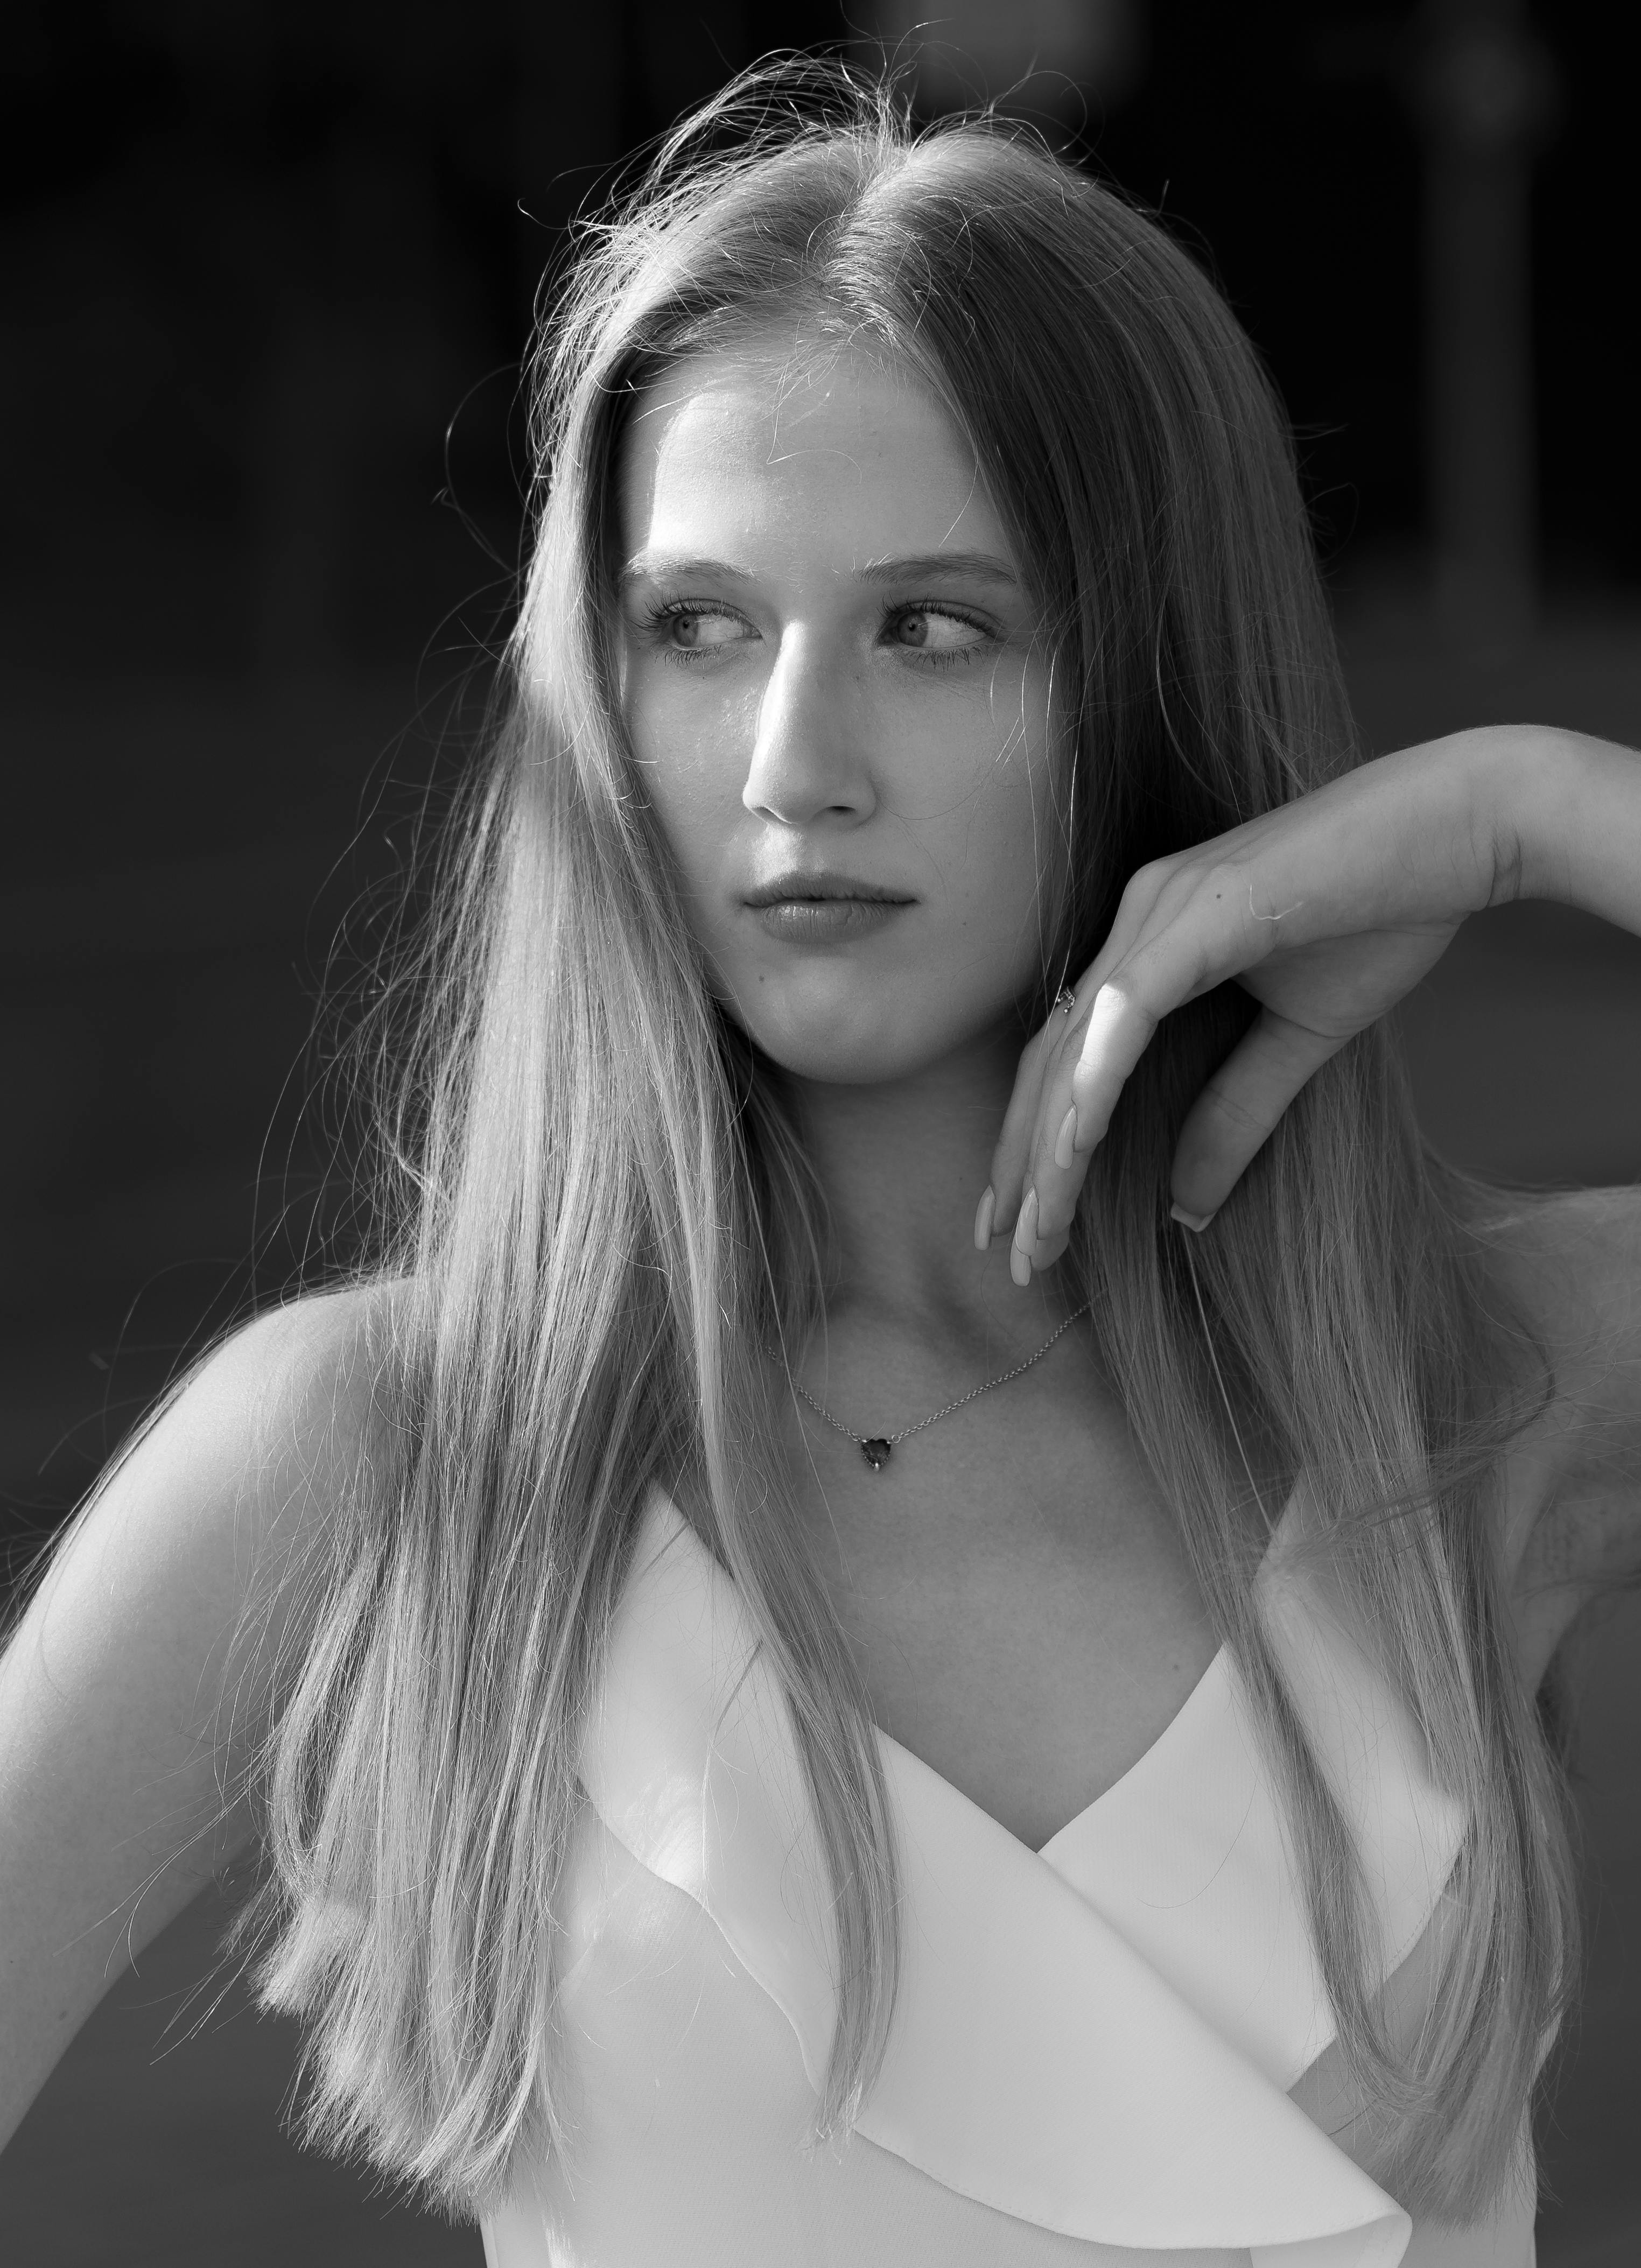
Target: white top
{"x":1091,"y":2055}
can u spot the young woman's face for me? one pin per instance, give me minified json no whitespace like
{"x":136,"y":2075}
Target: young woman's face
{"x":832,"y":690}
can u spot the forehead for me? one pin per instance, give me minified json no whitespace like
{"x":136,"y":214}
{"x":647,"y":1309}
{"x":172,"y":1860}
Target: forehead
{"x":831,"y":448}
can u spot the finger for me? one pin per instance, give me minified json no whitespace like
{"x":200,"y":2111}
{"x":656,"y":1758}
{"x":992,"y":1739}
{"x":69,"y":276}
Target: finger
{"x":1055,"y":1170}
{"x":1079,"y":1085}
{"x":1199,"y":943}
{"x":1237,"y":1111}
{"x":1055,"y":1162}
{"x":1040,"y":1157}
{"x":1012,"y":1155}
{"x":1118,"y":1031}
{"x":1037,"y":1253}
{"x":1027,"y":1251}
{"x":1032,"y":1127}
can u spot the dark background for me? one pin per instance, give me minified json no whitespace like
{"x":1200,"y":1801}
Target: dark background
{"x":266,"y":274}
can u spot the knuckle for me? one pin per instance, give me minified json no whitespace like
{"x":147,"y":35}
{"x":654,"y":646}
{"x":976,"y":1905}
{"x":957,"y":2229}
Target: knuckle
{"x":1145,"y":881}
{"x":1246,"y":1117}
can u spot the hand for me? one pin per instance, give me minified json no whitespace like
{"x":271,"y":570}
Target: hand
{"x":1327,"y":909}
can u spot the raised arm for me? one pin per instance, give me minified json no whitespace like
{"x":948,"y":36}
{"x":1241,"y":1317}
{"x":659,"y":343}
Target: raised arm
{"x":112,"y":1816}
{"x":1571,"y":811}
{"x":1577,"y":803}
{"x":1327,"y":909}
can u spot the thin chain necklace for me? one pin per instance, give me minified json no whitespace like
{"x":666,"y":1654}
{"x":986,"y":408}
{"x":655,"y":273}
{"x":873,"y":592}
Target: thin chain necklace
{"x":876,"y":1447}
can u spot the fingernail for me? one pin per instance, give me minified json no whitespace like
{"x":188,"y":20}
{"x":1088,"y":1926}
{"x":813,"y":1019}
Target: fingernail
{"x":1197,"y":1220}
{"x":1020,"y":1267}
{"x":1066,"y":1140}
{"x":1026,"y":1226}
{"x":982,"y":1220}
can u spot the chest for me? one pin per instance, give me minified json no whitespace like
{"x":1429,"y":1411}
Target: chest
{"x":1021,"y":1606}
{"x":1017,"y":1602}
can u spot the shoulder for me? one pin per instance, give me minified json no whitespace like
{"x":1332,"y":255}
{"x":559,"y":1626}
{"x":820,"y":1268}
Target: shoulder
{"x":288,"y":1420}
{"x":1574,"y":1259}
{"x":234,"y":1497}
{"x":194,"y":1534}
{"x":276,"y":1415}
{"x":123,"y":1790}
{"x":307,"y":1379}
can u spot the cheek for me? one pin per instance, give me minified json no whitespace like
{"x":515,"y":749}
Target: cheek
{"x":689,"y":755}
{"x":656,"y":732}
{"x":1006,"y":840}
{"x":992,"y":819}
{"x":692,"y":717}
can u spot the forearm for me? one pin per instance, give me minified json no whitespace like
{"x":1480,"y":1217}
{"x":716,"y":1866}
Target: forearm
{"x":1573,"y":803}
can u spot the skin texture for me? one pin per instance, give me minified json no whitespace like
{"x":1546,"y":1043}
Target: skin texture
{"x":795,"y":699}
{"x":808,"y":705}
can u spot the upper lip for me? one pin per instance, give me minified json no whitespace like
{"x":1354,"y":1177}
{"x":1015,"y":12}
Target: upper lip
{"x":799,"y":883}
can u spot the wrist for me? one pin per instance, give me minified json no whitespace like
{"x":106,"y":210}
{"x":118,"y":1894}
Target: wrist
{"x":1524,"y":775}
{"x":1567,"y":819}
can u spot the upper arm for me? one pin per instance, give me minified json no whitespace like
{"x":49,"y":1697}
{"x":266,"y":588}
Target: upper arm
{"x":118,"y":1801}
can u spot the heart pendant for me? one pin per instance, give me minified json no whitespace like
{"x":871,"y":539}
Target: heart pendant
{"x":876,"y":1453}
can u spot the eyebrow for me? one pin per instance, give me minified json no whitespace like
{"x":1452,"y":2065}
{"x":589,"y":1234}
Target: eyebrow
{"x":916,"y":567}
{"x":921,"y":563}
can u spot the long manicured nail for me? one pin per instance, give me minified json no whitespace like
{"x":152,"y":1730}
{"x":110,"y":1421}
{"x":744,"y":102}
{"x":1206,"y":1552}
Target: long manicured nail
{"x":1065,"y":1141}
{"x":1197,"y":1220}
{"x":1026,"y":1226}
{"x":1020,"y":1267}
{"x":982,"y":1220}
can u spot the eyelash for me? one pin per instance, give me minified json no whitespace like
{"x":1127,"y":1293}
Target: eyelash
{"x":671,"y":610}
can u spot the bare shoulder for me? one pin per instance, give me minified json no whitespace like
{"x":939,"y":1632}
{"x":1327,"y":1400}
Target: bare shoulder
{"x":299,"y":1392}
{"x":289,"y":1418}
{"x":163,"y":1608}
{"x":268,"y":1428}
{"x":1575,"y":1258}
{"x":219,"y":1487}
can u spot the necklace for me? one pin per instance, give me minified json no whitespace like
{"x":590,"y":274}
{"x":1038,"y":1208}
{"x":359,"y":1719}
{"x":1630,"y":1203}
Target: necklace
{"x":876,"y":1448}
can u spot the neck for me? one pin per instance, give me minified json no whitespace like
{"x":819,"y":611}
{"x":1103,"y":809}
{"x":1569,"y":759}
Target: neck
{"x":902,"y":1163}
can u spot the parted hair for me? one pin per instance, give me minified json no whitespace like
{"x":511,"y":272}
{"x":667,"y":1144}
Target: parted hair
{"x":597,"y":1220}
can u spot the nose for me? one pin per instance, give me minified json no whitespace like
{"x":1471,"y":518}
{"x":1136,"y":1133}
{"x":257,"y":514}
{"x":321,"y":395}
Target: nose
{"x":809,"y":757}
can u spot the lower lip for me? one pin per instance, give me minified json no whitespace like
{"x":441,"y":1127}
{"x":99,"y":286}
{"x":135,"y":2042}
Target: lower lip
{"x":822,"y":921}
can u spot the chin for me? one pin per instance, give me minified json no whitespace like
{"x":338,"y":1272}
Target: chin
{"x":850,"y":1024}
{"x":861,"y":1049}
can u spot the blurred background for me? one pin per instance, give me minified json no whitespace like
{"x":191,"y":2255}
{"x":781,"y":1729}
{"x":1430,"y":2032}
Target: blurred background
{"x":269,"y":272}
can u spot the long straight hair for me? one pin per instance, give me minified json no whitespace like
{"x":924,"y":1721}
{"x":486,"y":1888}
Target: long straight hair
{"x":595,"y":1217}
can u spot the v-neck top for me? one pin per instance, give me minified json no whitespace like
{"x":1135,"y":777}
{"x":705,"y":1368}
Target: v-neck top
{"x":1094,"y":2045}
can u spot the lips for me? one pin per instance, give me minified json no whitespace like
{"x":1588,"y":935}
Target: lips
{"x":797,"y":888}
{"x":827,"y":920}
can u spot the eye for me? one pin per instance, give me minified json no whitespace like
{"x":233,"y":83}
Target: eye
{"x":684,"y":632}
{"x":937,"y":636}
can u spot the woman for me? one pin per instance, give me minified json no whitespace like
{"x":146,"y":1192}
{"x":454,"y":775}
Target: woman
{"x":784,"y":1730}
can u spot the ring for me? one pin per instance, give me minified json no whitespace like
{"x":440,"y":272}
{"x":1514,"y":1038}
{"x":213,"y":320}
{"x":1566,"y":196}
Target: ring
{"x":1065,"y":999}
